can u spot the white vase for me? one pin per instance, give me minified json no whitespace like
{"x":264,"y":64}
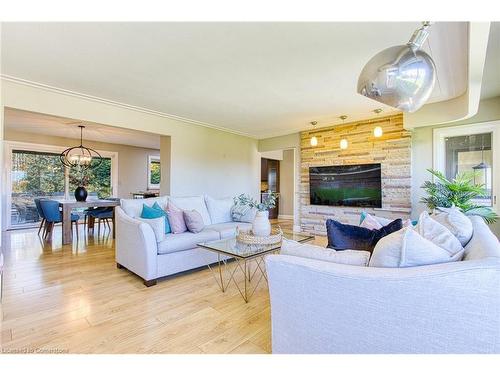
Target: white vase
{"x":261,"y":225}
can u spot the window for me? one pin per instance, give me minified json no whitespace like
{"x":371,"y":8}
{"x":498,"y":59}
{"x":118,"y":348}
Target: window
{"x":34,"y":175}
{"x":98,"y":180}
{"x":36,"y":171}
{"x":154,"y":172}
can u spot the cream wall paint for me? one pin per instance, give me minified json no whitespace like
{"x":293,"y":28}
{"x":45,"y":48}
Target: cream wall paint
{"x":203,"y":160}
{"x":132,"y":161}
{"x":165,"y":159}
{"x":287,"y":180}
{"x":422,"y":151}
{"x":288,"y":142}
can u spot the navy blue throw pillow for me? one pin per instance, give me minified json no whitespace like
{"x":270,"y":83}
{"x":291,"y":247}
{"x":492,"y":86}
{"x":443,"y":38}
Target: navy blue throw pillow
{"x":344,"y":236}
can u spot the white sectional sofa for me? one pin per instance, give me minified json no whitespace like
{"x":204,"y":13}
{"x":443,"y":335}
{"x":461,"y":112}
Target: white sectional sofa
{"x":322,"y":307}
{"x":138,"y":251}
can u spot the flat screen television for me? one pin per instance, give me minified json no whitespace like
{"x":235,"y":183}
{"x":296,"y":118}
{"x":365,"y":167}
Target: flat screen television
{"x":346,"y":185}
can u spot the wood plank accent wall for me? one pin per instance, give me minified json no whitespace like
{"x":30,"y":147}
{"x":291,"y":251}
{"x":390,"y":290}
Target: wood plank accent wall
{"x":392,"y":150}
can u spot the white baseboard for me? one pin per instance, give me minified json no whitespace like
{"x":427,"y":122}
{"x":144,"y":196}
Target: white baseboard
{"x":285,"y":217}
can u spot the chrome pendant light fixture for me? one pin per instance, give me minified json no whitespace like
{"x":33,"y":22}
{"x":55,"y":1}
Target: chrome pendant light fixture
{"x":314,"y":139}
{"x":80,"y":156}
{"x":402,"y":76}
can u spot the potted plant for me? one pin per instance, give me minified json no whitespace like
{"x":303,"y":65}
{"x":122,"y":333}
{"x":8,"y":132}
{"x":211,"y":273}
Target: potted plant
{"x":458,"y":192}
{"x":261,"y":225}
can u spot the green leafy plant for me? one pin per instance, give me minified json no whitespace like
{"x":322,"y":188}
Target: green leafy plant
{"x":458,"y":192}
{"x":246,"y":200}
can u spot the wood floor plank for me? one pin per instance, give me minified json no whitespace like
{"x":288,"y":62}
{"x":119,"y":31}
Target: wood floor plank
{"x":74,"y":298}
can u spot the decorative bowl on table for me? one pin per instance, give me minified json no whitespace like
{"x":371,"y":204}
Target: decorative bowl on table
{"x":247,"y":237}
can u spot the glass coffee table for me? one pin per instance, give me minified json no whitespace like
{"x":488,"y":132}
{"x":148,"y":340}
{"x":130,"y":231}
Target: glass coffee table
{"x":248,"y":261}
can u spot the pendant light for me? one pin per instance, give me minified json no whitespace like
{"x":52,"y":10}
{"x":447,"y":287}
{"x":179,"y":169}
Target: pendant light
{"x":314,"y":139}
{"x":343,"y":142}
{"x":378,"y":131}
{"x":402,"y":76}
{"x":80,"y":156}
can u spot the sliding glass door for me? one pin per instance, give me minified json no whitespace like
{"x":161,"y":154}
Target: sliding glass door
{"x":34,"y":175}
{"x":37,"y":172}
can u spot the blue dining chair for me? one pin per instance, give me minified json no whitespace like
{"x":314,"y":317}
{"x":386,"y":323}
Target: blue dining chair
{"x":53,"y":215}
{"x":40,"y":213}
{"x":103,"y":214}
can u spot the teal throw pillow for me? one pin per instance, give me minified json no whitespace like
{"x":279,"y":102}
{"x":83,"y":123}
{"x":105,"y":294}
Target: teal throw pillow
{"x":155,"y":212}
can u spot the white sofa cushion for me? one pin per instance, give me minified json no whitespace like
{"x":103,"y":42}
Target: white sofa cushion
{"x":438,"y":234}
{"x":219,"y":209}
{"x":456,"y":221}
{"x":185,"y":241}
{"x":350,"y":257}
{"x":407,"y":248}
{"x":133,"y":207}
{"x":228,"y":230}
{"x":158,"y":226}
{"x":196,"y":203}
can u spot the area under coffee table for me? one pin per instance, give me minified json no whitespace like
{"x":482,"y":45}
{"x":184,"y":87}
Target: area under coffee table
{"x":248,"y":260}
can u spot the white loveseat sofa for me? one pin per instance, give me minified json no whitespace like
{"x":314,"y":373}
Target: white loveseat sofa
{"x":138,"y":251}
{"x":321,"y":307}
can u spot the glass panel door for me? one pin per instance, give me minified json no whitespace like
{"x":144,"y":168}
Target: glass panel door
{"x":34,"y":175}
{"x":472,"y":153}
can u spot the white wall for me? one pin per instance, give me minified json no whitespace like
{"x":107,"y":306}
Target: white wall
{"x":203,"y":160}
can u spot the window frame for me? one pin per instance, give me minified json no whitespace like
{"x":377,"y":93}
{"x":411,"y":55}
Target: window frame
{"x":10,"y":146}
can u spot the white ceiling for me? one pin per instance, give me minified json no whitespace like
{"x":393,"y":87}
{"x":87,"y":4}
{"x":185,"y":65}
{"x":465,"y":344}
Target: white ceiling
{"x":36,"y":123}
{"x":259,"y":79}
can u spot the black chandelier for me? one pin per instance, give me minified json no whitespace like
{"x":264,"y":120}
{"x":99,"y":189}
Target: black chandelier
{"x":80,"y":156}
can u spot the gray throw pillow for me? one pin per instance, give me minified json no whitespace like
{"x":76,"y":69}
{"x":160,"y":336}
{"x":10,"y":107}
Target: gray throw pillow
{"x":194,"y":221}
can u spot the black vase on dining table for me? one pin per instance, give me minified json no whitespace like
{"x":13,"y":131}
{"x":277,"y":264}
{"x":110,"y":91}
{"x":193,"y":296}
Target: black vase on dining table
{"x":81,"y":194}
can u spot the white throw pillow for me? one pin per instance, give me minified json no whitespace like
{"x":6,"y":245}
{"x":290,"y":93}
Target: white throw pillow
{"x":376,"y":222}
{"x":438,"y":234}
{"x":350,"y":257}
{"x":371,"y":222}
{"x":456,"y":221}
{"x":196,"y":203}
{"x":407,"y":248}
{"x":219,"y":209}
{"x":158,"y":226}
{"x":133,"y":207}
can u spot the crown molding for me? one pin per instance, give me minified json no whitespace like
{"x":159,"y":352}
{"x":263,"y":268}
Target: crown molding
{"x":97,"y":99}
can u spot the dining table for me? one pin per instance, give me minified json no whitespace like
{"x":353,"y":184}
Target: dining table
{"x":68,"y":205}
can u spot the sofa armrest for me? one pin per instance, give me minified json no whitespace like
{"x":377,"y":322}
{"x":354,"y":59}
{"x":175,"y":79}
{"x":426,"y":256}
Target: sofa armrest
{"x":136,"y":247}
{"x":321,"y":307}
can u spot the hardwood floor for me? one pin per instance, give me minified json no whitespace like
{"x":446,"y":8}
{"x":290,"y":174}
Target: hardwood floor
{"x":73,"y":299}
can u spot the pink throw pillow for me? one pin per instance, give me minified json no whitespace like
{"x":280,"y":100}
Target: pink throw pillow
{"x":176,"y":219}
